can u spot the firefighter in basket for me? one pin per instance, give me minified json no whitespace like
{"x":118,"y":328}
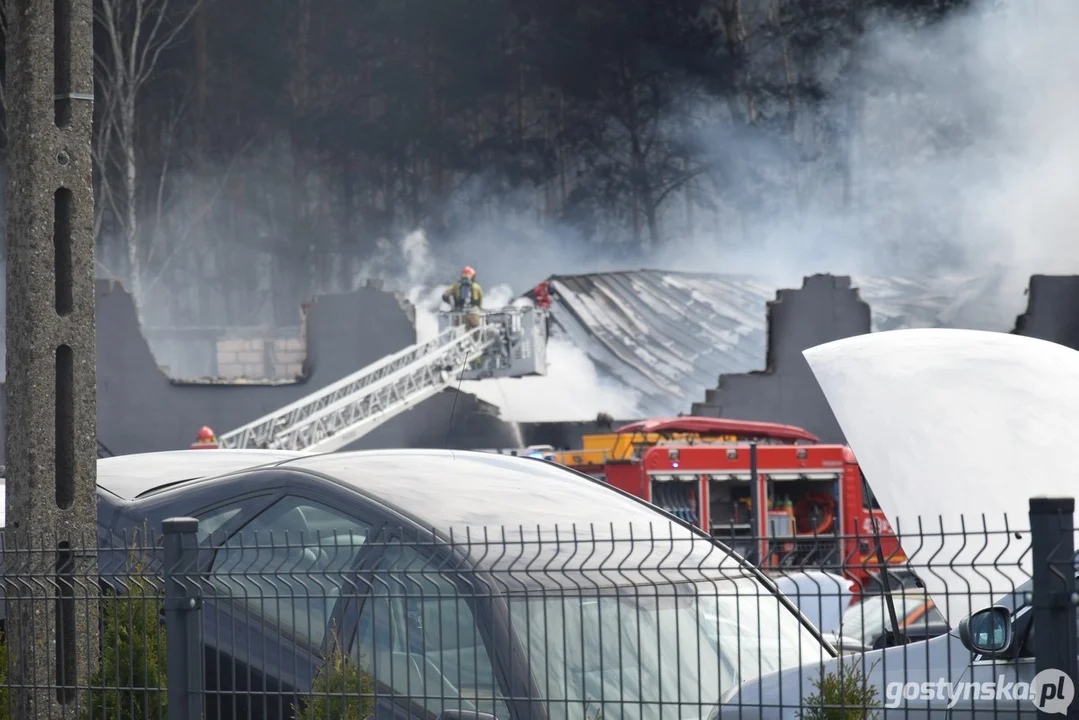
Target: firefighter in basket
{"x":466,"y":298}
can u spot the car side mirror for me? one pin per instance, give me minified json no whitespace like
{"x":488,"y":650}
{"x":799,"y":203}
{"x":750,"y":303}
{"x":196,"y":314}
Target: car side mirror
{"x":987,"y":632}
{"x":464,"y":715}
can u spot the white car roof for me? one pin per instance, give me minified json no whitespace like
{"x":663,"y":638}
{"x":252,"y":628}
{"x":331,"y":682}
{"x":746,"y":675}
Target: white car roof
{"x":128,"y":476}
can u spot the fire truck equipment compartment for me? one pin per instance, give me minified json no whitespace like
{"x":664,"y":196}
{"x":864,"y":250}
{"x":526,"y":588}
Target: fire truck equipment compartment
{"x":742,"y":429}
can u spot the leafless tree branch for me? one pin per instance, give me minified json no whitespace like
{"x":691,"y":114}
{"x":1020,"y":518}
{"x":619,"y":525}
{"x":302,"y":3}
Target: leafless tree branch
{"x":171,"y":131}
{"x":202,"y":211}
{"x":137,"y":32}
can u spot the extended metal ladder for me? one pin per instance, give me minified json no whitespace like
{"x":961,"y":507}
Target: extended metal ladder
{"x":341,"y":413}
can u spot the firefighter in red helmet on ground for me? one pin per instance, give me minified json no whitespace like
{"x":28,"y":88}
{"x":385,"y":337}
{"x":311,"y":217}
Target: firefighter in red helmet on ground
{"x":466,"y":298}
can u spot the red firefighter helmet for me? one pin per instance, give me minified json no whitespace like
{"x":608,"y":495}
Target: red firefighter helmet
{"x":205,"y":440}
{"x":468,"y":272}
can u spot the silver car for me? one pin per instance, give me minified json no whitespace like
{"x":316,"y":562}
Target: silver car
{"x":823,"y":597}
{"x":985,"y":665}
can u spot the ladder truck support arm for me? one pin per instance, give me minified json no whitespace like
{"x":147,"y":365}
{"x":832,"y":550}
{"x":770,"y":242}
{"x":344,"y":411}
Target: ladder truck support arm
{"x":351,"y":418}
{"x":368,"y":397}
{"x":506,"y":343}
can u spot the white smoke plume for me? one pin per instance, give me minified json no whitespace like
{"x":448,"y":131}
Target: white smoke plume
{"x":960,"y":154}
{"x":571,"y":390}
{"x":960,"y":159}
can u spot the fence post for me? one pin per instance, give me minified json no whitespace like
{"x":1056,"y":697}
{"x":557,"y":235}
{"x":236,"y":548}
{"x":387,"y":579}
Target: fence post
{"x":1052,"y":544}
{"x":183,"y":636}
{"x":758,"y":530}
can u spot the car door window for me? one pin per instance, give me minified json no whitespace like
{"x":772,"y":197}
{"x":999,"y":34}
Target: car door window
{"x":418,"y":637}
{"x":212,"y":521}
{"x":290,"y":564}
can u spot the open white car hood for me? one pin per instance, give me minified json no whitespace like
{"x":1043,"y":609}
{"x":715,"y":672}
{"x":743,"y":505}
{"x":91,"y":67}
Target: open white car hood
{"x":950,"y":426}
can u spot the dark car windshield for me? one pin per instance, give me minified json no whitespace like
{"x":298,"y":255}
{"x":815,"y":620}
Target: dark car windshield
{"x":661,"y":651}
{"x":867,"y":620}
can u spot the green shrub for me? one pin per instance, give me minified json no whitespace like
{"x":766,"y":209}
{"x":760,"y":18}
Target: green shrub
{"x":843,"y":695}
{"x":129,"y":682}
{"x":5,"y":692}
{"x":341,"y":690}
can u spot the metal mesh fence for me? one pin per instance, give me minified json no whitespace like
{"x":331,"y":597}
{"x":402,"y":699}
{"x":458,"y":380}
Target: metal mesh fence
{"x":577,"y":623}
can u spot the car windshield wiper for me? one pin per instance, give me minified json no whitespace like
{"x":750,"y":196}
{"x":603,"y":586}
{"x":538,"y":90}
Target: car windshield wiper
{"x":890,"y":635}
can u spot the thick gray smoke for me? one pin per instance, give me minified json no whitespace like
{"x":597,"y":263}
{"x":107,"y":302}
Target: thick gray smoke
{"x":958,"y":158}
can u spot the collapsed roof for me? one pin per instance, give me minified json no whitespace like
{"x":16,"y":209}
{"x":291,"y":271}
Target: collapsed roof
{"x":670,"y":335}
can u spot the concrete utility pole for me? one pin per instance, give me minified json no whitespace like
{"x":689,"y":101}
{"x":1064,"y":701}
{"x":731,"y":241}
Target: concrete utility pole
{"x":51,"y":383}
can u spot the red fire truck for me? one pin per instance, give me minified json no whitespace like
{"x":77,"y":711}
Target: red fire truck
{"x":772,"y":492}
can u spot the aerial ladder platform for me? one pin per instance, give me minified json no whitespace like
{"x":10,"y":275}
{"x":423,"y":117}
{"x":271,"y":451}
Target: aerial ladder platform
{"x":507,"y":343}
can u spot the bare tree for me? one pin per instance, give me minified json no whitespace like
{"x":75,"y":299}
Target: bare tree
{"x":136,"y":33}
{"x":158,"y":254}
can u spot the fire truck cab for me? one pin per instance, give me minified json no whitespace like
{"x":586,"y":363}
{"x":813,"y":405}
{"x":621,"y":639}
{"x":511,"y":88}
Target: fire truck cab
{"x":772,"y":492}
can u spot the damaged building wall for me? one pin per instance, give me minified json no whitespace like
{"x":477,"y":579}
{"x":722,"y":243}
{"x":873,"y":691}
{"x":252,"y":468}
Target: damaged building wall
{"x":825,"y":308}
{"x":1052,"y":310}
{"x":141,"y":410}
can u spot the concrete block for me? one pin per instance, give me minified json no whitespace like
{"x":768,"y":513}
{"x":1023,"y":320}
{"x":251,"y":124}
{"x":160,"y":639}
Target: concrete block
{"x":231,"y":345}
{"x":287,"y":358}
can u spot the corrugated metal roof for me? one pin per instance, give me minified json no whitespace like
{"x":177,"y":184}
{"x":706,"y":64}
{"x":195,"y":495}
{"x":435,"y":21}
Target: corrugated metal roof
{"x":670,"y":335}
